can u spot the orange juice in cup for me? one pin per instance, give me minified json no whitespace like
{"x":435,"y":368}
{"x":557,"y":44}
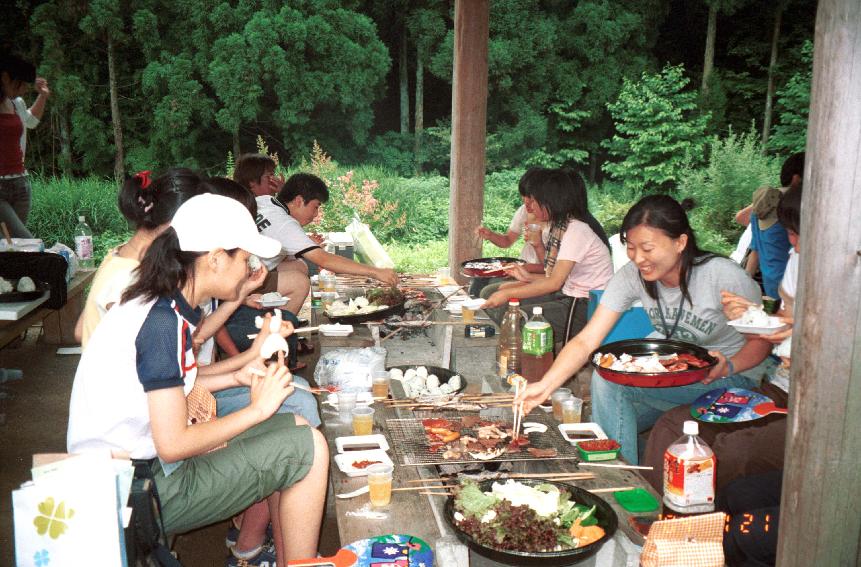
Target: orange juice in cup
{"x":380,"y":384}
{"x":380,"y":484}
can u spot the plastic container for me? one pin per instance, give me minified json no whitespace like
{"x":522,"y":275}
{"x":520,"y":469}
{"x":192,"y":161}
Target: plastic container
{"x":478,"y":331}
{"x":84,"y":243}
{"x":599,"y":450}
{"x":537,"y":346}
{"x":637,"y":501}
{"x":689,"y":473}
{"x":509,"y":347}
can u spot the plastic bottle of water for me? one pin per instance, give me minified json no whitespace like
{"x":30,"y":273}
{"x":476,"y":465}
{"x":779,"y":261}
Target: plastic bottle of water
{"x":84,"y":243}
{"x":537,"y":346}
{"x":508,"y":349}
{"x":689,"y":473}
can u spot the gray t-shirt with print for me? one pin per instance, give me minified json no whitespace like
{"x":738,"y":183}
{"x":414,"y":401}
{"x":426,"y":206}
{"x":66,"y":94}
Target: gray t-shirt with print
{"x":702,"y":323}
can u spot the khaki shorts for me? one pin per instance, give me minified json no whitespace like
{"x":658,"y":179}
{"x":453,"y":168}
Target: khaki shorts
{"x":210,"y":488}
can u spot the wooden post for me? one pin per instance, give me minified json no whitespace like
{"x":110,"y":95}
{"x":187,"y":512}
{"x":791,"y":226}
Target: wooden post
{"x":468,"y":129}
{"x":820,"y":522}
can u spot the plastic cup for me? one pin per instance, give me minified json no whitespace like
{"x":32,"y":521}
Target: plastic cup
{"x":327,"y":282}
{"x":467,"y":314}
{"x":770,"y":304}
{"x":380,"y":380}
{"x":380,"y":484}
{"x":556,"y":400}
{"x":572,"y":409}
{"x":363,"y":420}
{"x":346,"y":404}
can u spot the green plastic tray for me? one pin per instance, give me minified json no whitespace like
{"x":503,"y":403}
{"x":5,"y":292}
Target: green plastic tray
{"x":637,"y":500}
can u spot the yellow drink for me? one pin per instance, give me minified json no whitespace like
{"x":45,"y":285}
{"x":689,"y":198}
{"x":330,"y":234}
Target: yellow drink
{"x":380,"y":489}
{"x":363,"y":424}
{"x":380,"y":389}
{"x":556,"y":401}
{"x":571,"y":410}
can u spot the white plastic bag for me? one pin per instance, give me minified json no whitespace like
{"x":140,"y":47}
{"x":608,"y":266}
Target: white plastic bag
{"x":350,"y":369}
{"x":367,"y":246}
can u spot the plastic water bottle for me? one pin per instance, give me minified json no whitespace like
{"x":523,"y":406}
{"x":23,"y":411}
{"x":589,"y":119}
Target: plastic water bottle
{"x":84,"y":243}
{"x":690,"y":473}
{"x":508,"y":349}
{"x":537,"y":346}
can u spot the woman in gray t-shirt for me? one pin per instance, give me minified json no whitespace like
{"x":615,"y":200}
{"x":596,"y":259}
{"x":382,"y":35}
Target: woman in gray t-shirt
{"x":680,"y":288}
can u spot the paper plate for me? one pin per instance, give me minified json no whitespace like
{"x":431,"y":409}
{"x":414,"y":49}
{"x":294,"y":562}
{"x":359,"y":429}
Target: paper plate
{"x":345,"y":461}
{"x":774,"y":325}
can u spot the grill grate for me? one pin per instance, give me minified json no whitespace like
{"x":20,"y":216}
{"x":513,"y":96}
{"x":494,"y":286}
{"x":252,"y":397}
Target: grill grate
{"x":410,"y":444}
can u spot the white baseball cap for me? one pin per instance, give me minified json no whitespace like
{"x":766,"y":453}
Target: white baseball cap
{"x":206,"y":222}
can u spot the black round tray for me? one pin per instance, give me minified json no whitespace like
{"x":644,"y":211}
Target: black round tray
{"x":17,"y":296}
{"x":474,"y":273}
{"x":607,"y":519}
{"x":444,"y":374}
{"x":361,"y":318}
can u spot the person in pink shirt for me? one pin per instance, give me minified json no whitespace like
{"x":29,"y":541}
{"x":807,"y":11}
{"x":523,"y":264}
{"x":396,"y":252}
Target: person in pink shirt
{"x":576,"y":259}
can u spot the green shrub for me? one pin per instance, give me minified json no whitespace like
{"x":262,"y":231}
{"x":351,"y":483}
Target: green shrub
{"x":735,"y":169}
{"x":58,"y":201}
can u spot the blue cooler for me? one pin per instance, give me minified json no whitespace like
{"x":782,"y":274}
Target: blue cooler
{"x":633,"y":324}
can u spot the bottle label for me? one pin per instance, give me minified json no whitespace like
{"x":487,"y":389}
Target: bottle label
{"x":84,"y":246}
{"x":537,"y":340}
{"x":689,"y":482}
{"x":502,"y":365}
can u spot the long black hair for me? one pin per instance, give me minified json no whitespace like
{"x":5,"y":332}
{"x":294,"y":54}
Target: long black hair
{"x":554,"y":190}
{"x":789,"y":209}
{"x":164,"y":269}
{"x":667,"y":215}
{"x":17,"y":69}
{"x":148,"y":204}
{"x":579,"y":187}
{"x":230,"y":188}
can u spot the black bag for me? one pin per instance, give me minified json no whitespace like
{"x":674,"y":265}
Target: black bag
{"x":146,"y":540}
{"x":41,"y":267}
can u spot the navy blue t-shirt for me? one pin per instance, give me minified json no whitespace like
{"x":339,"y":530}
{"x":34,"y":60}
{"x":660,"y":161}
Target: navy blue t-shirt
{"x":164,"y":343}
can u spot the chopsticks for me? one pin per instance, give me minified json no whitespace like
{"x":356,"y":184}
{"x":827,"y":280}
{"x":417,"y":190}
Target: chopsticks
{"x":299,"y":331}
{"x":611,"y":466}
{"x":6,"y":233}
{"x":519,"y":382}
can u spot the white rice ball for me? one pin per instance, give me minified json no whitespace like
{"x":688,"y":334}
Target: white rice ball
{"x":5,"y":285}
{"x":432,"y":381}
{"x":254,"y":263}
{"x":454,"y":382}
{"x":26,"y":284}
{"x":422,"y":371}
{"x":410,"y":374}
{"x":396,"y":374}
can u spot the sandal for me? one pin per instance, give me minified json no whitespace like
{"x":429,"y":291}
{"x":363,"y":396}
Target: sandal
{"x":304,"y":347}
{"x":298,"y":366}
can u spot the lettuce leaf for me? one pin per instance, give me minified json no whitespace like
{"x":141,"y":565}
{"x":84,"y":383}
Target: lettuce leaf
{"x":473,"y":502}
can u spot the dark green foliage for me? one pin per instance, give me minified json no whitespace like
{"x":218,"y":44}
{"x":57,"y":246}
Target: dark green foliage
{"x":659,"y":131}
{"x":793,"y":106}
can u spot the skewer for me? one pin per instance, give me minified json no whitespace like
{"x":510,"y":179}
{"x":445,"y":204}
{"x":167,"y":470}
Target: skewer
{"x":577,"y":476}
{"x":611,"y":466}
{"x":613,"y":489}
{"x":299,"y":331}
{"x":427,"y":480}
{"x":6,"y":233}
{"x":437,"y":493}
{"x":414,"y":488}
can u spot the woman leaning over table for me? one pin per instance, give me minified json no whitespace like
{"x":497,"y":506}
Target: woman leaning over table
{"x":680,"y":288}
{"x":576,"y":259}
{"x":129,"y":394}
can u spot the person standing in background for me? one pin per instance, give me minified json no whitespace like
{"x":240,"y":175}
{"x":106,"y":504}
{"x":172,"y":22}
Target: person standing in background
{"x":16,"y":78}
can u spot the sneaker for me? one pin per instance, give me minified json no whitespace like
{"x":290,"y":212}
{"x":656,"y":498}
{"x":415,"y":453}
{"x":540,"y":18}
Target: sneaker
{"x":233,"y":535}
{"x":265,"y":558}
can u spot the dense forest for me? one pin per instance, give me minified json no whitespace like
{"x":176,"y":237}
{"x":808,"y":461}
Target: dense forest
{"x":630,"y":89}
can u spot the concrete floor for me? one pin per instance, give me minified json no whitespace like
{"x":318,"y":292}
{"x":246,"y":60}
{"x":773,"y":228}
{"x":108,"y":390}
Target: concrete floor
{"x":36,"y":418}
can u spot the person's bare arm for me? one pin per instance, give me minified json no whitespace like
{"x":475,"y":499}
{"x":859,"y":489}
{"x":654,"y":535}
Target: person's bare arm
{"x":341,"y":265}
{"x":534,"y":288}
{"x":743,"y":216}
{"x":501,"y":240}
{"x":222,"y":338}
{"x":752,"y":353}
{"x":38,"y":108}
{"x":752,"y":264}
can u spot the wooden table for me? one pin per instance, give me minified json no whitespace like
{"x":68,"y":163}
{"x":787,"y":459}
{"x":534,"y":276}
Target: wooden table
{"x":58,"y":324}
{"x":422,"y":516}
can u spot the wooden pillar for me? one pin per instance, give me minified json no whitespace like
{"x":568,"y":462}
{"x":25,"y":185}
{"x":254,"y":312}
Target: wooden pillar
{"x":820,"y":517}
{"x":468,"y":129}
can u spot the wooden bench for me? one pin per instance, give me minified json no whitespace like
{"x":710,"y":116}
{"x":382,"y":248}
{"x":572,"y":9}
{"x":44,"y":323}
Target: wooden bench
{"x":58,"y":324}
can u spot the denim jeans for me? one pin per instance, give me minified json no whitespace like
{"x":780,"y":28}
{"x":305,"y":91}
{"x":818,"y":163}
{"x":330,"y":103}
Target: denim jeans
{"x":625,"y":411}
{"x":299,"y":402}
{"x":15,"y":205}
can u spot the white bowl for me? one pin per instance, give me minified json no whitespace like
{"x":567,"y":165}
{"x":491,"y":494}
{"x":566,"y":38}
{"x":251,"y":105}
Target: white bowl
{"x":774,"y":325}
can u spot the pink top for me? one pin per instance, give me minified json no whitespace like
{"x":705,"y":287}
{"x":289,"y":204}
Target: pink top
{"x":593,"y":267}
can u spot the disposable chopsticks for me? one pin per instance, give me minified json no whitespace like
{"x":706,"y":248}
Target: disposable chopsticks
{"x":612,"y":466}
{"x":415,"y":488}
{"x":613,"y":489}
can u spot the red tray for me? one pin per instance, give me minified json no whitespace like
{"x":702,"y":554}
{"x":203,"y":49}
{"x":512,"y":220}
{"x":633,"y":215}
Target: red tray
{"x":645,"y":347}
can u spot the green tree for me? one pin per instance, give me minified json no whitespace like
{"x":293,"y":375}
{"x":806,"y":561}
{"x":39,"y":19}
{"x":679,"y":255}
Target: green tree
{"x":793,"y":107}
{"x":659,"y":131}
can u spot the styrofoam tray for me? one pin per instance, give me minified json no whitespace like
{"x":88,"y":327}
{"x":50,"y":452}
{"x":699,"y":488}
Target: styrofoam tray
{"x":367,"y":442}
{"x":574,"y":432}
{"x":362,"y":399}
{"x":336,"y":330}
{"x":345,"y":461}
{"x":774,"y":325}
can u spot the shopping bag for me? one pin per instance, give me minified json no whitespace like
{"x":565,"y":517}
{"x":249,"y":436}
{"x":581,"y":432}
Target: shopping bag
{"x":71,"y":515}
{"x":367,"y":246}
{"x":696,"y":541}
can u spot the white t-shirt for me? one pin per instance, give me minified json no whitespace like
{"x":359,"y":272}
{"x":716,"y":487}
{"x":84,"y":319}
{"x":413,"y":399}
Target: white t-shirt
{"x":702,"y":323}
{"x":789,"y":283}
{"x":518,"y":221}
{"x":274,"y":220}
{"x":27,"y":118}
{"x":593,"y":267}
{"x":138,"y":347}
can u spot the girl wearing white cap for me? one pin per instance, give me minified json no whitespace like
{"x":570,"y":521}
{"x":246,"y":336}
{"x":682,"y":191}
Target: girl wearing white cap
{"x":129,"y":394}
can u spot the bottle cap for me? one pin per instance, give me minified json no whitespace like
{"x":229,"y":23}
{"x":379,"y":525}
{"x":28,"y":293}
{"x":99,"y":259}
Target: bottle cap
{"x":81,"y":218}
{"x":514,"y":301}
{"x":691,"y":428}
{"x":537,"y":310}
